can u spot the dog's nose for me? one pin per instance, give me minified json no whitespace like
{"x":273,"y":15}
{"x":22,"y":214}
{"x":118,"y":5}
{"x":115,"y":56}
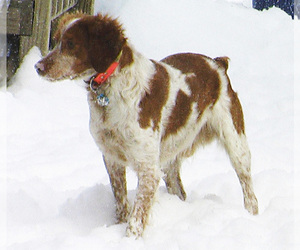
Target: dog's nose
{"x":40,"y":68}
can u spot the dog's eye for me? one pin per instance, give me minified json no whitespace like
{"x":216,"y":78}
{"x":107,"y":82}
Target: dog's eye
{"x":70,"y":44}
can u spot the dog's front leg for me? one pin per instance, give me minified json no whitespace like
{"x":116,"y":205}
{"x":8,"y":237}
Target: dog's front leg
{"x":148,"y":180}
{"x":117,"y":176}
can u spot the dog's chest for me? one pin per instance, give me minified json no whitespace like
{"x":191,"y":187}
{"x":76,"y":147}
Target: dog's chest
{"x":110,"y":128}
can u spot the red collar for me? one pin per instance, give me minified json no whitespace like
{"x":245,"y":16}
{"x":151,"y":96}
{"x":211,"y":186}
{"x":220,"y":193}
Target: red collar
{"x":101,"y":78}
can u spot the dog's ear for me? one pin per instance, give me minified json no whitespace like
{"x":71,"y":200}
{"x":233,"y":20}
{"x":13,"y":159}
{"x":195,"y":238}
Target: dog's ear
{"x":105,"y":41}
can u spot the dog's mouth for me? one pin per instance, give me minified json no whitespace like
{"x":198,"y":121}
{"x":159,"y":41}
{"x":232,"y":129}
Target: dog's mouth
{"x":60,"y":78}
{"x":85,"y":76}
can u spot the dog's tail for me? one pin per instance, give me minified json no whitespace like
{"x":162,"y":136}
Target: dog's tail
{"x":222,"y":62}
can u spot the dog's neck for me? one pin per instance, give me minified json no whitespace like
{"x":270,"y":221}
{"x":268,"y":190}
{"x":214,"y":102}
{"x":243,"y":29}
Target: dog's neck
{"x":100,"y":78}
{"x":130,"y":79}
{"x":128,"y":57}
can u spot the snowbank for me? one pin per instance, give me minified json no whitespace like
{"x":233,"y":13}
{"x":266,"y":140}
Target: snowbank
{"x":58,"y":193}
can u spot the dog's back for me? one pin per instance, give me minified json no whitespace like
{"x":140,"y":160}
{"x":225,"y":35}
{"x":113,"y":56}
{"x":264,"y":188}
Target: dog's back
{"x":192,"y":120}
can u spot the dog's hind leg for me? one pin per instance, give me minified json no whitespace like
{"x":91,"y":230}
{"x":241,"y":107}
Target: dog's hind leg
{"x":173,"y":180}
{"x":238,"y":151}
{"x":231,"y":134}
{"x":117,"y":176}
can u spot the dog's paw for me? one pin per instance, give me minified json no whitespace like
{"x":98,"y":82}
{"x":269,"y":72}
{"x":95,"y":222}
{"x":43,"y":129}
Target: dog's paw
{"x":251,"y":205}
{"x":135,"y":228}
{"x":133,"y":232}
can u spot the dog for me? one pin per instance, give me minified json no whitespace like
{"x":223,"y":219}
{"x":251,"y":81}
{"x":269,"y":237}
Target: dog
{"x":147,"y":114}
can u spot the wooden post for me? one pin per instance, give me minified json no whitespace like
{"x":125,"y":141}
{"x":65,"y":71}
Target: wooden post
{"x":85,"y":6}
{"x":40,"y":29}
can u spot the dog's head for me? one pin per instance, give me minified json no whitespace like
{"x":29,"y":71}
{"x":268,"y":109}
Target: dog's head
{"x":85,"y":45}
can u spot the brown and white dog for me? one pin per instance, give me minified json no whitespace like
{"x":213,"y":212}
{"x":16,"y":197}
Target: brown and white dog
{"x":148,"y":114}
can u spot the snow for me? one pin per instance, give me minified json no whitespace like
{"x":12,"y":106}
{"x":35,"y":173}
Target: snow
{"x":57,"y":189}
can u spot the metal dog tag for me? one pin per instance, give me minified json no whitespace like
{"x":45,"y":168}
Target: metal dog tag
{"x":102,"y":100}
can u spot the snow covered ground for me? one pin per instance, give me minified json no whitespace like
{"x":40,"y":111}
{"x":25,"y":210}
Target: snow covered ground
{"x":57,"y":189}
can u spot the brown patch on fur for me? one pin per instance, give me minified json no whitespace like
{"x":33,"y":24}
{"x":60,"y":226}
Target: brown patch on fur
{"x":180,"y":113}
{"x":236,"y":110}
{"x":105,"y":40}
{"x":203,"y":82}
{"x":127,"y":57}
{"x":152,"y":103}
{"x":75,"y":44}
